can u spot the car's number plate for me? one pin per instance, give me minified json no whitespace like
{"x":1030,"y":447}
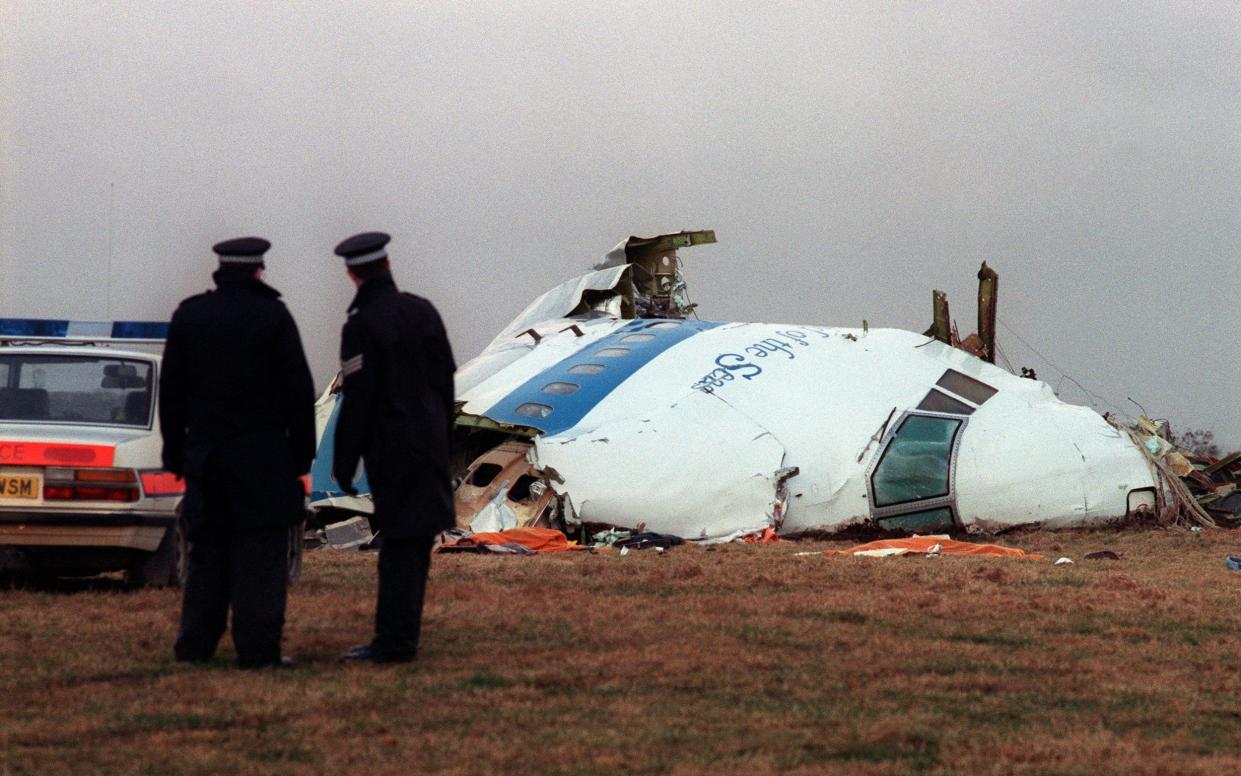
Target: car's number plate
{"x":20,"y":487}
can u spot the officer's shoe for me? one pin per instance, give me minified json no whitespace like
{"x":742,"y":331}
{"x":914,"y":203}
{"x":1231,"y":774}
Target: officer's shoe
{"x":366,"y":653}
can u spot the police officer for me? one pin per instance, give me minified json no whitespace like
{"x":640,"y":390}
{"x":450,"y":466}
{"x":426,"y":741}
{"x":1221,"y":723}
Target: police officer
{"x":396,"y":415}
{"x":237,"y":416}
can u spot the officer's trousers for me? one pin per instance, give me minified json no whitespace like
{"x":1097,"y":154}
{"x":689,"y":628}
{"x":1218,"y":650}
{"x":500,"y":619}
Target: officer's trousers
{"x":403,"y":567}
{"x":246,"y":570}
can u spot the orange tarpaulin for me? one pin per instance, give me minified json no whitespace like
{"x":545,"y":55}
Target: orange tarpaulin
{"x":763,"y":537}
{"x":537,"y":539}
{"x":923,"y":544}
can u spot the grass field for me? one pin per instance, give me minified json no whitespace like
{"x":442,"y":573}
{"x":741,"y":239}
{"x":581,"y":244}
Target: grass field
{"x":742,"y":659}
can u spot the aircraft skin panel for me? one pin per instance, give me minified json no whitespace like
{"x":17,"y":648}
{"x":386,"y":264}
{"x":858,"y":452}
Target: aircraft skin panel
{"x":803,"y":373}
{"x":560,"y":301}
{"x":1045,"y":462}
{"x":487,"y":365}
{"x":631,"y":354}
{"x":627,"y":471}
{"x":558,"y":342}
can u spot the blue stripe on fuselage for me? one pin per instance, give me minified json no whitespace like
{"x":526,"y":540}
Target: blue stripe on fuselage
{"x":321,"y":483}
{"x":566,"y":411}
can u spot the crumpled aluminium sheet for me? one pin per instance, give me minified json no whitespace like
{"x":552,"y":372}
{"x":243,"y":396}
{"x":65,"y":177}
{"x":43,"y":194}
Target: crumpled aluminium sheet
{"x":637,"y":470}
{"x":560,"y":301}
{"x":496,"y":515}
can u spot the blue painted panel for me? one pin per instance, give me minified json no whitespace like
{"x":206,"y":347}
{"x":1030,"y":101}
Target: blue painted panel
{"x":566,"y":411}
{"x":321,"y":483}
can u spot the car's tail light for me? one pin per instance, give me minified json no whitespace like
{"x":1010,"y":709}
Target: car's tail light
{"x":104,"y":475}
{"x":90,"y":485}
{"x":161,"y":483}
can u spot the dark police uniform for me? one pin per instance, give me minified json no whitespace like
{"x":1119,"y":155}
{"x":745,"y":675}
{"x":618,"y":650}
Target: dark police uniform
{"x":237,"y":417}
{"x":397,"y":416}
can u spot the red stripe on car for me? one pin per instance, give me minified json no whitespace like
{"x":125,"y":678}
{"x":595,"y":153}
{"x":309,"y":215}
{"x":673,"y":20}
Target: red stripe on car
{"x":20,"y":453}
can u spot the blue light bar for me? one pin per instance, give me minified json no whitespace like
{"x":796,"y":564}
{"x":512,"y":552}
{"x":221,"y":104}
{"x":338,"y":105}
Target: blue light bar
{"x":156,"y":330}
{"x":32,"y":327}
{"x":45,"y":328}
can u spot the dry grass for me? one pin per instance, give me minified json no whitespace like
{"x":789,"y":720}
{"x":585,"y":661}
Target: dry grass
{"x":743,"y":659}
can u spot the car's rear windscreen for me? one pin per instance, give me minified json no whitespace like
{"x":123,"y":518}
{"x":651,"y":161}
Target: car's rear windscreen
{"x":75,"y":389}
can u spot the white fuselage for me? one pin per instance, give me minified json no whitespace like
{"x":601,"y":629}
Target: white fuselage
{"x":698,"y":429}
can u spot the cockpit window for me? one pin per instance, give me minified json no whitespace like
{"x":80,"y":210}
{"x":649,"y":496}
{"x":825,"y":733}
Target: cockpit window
{"x":76,"y":389}
{"x":915,"y":465}
{"x":929,"y":521}
{"x":938,"y":401}
{"x":966,"y":387}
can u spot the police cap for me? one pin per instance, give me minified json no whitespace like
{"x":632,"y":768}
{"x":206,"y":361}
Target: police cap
{"x":363,"y":248}
{"x":242,"y":250}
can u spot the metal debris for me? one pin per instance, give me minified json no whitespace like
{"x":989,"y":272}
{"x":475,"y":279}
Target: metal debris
{"x":349,"y":534}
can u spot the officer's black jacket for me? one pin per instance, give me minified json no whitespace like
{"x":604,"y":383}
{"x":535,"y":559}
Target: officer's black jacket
{"x":236,"y":403}
{"x":397,"y":410}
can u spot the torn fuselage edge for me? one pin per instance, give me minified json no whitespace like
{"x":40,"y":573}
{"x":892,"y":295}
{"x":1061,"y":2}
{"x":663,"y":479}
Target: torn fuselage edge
{"x":466,"y":420}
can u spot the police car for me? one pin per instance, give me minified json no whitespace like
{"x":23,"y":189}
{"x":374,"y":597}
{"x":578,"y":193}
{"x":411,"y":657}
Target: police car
{"x":82,"y":490}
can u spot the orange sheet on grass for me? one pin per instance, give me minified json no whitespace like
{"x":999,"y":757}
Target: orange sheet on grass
{"x":766,"y":536}
{"x":922,"y":544}
{"x":537,"y":539}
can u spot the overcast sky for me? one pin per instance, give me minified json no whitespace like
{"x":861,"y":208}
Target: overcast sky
{"x":850,"y":156}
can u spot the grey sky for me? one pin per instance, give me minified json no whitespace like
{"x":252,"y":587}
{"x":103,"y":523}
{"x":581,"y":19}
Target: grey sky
{"x":851,"y":156}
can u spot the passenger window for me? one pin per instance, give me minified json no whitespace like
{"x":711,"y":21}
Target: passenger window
{"x":484,"y":474}
{"x":937,"y":401}
{"x":533,"y":410}
{"x":639,"y":337}
{"x":563,"y":389}
{"x":915,"y":465}
{"x":966,"y":387}
{"x":663,"y":325}
{"x":613,"y":353}
{"x":521,"y":489}
{"x":586,"y":369}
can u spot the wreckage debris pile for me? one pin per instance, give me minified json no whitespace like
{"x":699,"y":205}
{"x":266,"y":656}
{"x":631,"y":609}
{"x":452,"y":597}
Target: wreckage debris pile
{"x":354,"y":534}
{"x":1214,"y":485}
{"x":1204,"y":488}
{"x":532,"y":541}
{"x":514,"y":541}
{"x":634,"y":540}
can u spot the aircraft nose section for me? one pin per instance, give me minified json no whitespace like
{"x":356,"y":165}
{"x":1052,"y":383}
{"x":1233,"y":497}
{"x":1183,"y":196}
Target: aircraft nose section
{"x":1046,"y":462}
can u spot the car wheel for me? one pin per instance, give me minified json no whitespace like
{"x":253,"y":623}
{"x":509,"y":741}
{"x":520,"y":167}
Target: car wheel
{"x":168,"y":565}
